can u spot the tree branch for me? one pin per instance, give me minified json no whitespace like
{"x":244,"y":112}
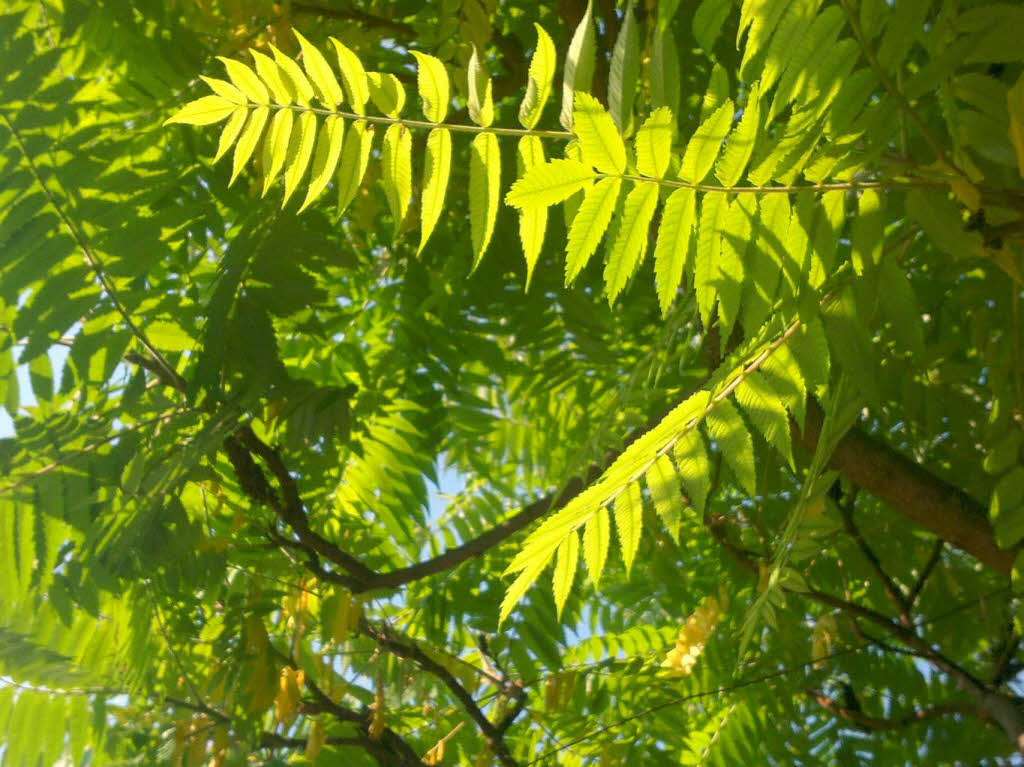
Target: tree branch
{"x":880,"y":724}
{"x":933,"y":560}
{"x":892,"y":589}
{"x":352,"y":14}
{"x":494,"y":734}
{"x":911,"y":490}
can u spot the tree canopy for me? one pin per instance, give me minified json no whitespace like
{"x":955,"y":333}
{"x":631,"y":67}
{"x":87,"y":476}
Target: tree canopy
{"x":516,"y":383}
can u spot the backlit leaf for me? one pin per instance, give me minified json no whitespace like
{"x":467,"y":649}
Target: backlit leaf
{"x":320,"y":74}
{"x":654,"y":143}
{"x":203,"y":111}
{"x":275,"y":147}
{"x":596,"y":540}
{"x":353,"y":76}
{"x":249,"y":139}
{"x":538,"y":86}
{"x":484,"y":191}
{"x":325,"y":158}
{"x":673,"y":250}
{"x":630,"y":245}
{"x":396,"y":171}
{"x":629,"y":518}
{"x":599,"y":139}
{"x":532,"y":220}
{"x":566,"y":561}
{"x":590,"y":224}
{"x":435,"y":181}
{"x":432,"y":80}
{"x":355,"y":156}
{"x":703,"y":147}
{"x":549,"y":183}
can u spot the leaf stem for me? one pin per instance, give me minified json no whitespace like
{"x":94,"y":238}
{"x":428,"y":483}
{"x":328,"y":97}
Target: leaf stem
{"x":426,"y":124}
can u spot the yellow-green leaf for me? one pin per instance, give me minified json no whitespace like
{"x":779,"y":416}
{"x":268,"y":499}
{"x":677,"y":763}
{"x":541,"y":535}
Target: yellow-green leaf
{"x":579,"y":65}
{"x":565,"y":569}
{"x":549,"y":183}
{"x":224,"y":89}
{"x":599,"y":139}
{"x":519,"y":586}
{"x":665,"y":493}
{"x":714,"y":206}
{"x":275,"y":147}
{"x":654,"y":143}
{"x":386,"y":92}
{"x":766,"y":412}
{"x":325,"y":158}
{"x":432,"y":80}
{"x":203,"y":111}
{"x":624,"y":72}
{"x":703,"y":147}
{"x":268,"y":71}
{"x":484,"y":191}
{"x":232,"y":128}
{"x":480,"y":102}
{"x":355,"y":156}
{"x":664,"y":69}
{"x":726,"y":428}
{"x":249,"y":139}
{"x":538,"y":85}
{"x":629,"y":520}
{"x":320,"y":73}
{"x":596,"y":539}
{"x":630,"y":244}
{"x":300,"y":150}
{"x":353,"y":75}
{"x":297,"y":79}
{"x":672,"y":250}
{"x":435,"y":181}
{"x":590,"y":224}
{"x":246,"y":81}
{"x":740,"y":145}
{"x":396,"y":171}
{"x":532,"y":220}
{"x":693,"y":466}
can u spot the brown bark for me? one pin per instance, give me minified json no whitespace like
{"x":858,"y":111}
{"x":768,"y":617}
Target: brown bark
{"x":911,"y":490}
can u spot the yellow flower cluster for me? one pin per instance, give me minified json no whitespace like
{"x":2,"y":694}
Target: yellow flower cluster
{"x":694,"y":635}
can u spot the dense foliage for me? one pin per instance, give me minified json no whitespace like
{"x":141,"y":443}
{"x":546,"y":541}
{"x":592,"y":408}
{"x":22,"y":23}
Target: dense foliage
{"x":327,"y":362}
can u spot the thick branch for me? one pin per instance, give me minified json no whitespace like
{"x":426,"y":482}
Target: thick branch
{"x":911,"y":490}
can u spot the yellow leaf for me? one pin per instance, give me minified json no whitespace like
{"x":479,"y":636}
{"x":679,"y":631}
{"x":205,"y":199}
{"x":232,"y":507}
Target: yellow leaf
{"x":275,"y":147}
{"x":231,"y":131}
{"x":325,"y":158}
{"x":249,"y":139}
{"x":432,"y":79}
{"x":435,"y":181}
{"x":246,"y":81}
{"x":289,"y":694}
{"x":204,"y":111}
{"x":315,"y":739}
{"x":484,"y":192}
{"x":300,"y":149}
